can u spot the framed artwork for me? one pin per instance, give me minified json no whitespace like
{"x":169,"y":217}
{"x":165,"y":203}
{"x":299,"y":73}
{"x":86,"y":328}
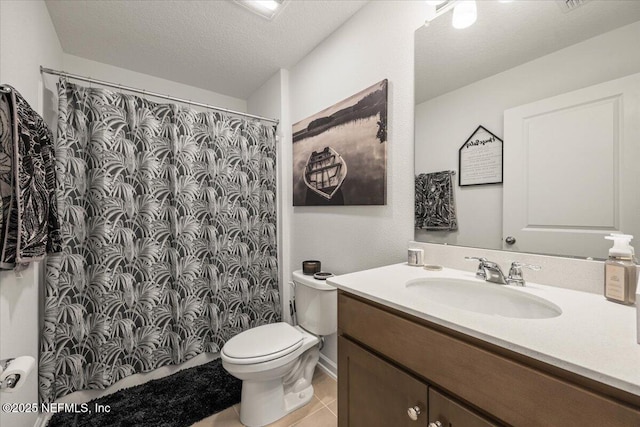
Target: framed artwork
{"x":480,"y":159}
{"x":340,"y":153}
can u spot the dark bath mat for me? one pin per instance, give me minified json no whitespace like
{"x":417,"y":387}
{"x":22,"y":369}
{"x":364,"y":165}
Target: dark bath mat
{"x":178,"y":400}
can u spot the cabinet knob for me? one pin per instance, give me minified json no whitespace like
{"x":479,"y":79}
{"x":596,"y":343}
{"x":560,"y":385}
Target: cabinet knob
{"x":510,"y":240}
{"x":435,"y":424}
{"x":414,"y":412}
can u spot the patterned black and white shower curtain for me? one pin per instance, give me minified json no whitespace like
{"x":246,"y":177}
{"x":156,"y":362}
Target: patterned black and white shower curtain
{"x":168,"y":223}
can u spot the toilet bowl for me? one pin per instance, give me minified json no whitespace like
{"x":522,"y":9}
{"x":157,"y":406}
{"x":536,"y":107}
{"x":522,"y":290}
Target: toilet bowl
{"x":275,"y":381}
{"x":276,"y":361}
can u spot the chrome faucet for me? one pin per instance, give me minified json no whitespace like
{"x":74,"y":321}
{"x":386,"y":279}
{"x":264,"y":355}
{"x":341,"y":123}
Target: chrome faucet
{"x":494,"y":273}
{"x":491,"y":272}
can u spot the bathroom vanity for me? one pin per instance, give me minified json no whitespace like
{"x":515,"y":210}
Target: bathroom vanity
{"x":408,"y":359}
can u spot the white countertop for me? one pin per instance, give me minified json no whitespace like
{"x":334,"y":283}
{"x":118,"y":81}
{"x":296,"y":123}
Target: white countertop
{"x":592,"y":337}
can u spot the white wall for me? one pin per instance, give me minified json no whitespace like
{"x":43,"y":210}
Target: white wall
{"x":272,"y":100}
{"x":444,"y":123}
{"x":97,"y":70}
{"x":27,"y":39}
{"x":376,"y":43}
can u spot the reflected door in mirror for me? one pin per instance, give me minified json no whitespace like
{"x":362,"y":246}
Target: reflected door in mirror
{"x":569,"y":174}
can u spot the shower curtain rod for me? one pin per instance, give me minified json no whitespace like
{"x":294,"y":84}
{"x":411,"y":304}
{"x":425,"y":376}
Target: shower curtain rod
{"x":154,"y":94}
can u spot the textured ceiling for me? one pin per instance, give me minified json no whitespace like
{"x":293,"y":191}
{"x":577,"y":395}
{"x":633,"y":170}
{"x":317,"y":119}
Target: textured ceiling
{"x":214,"y":45}
{"x":504,"y":36}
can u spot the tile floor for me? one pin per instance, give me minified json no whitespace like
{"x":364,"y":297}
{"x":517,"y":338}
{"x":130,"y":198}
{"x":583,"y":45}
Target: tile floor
{"x":320,"y":412}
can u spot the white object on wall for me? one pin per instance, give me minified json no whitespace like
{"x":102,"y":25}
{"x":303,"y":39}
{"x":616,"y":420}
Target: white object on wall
{"x":14,"y":374}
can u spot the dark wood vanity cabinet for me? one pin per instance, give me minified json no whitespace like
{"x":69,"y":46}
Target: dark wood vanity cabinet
{"x":393,"y":367}
{"x":377,"y":393}
{"x":450,"y":413}
{"x":373,"y":392}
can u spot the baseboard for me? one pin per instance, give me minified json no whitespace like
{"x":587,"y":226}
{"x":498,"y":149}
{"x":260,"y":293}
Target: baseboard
{"x":328,"y":366}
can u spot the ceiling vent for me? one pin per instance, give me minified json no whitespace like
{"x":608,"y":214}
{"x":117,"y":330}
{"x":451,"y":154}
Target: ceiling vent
{"x":569,"y":5}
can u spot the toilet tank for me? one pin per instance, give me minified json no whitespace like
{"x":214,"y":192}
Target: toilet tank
{"x":316,"y":304}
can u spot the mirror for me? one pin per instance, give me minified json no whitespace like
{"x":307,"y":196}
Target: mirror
{"x":517,"y":56}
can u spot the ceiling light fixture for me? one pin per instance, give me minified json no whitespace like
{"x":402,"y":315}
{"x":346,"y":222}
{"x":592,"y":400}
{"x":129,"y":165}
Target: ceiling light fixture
{"x":266,"y":8}
{"x":465,"y":12}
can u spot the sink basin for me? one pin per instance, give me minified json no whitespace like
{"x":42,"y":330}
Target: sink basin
{"x":483,"y":297}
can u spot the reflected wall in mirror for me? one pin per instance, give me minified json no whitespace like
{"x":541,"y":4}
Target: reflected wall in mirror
{"x":568,"y":84}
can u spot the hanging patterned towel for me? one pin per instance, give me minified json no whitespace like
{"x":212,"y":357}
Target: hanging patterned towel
{"x":28,"y":208}
{"x":435,"y":206}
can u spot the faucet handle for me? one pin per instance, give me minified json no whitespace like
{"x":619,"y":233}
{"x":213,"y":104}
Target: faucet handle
{"x":518,"y":264}
{"x":480,"y":273}
{"x":515,"y":272}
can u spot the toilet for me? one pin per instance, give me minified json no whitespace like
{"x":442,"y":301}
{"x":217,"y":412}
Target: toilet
{"x":276,"y":361}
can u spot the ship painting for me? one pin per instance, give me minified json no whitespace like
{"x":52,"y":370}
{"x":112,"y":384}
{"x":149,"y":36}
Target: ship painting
{"x":350,"y":132}
{"x":325,"y":172}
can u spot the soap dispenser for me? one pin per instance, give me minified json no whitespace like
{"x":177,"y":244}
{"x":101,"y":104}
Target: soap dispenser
{"x":620,"y":274}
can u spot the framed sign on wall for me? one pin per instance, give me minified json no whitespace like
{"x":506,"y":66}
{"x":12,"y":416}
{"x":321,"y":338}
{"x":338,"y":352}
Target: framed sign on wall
{"x":480,"y":159}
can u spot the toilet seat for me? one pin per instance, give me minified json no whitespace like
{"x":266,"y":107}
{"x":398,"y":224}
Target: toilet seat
{"x":262,"y":344}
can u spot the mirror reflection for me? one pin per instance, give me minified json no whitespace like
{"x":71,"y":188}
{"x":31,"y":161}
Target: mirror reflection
{"x":561,"y":87}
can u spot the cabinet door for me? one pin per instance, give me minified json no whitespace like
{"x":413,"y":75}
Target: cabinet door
{"x":372,"y":392}
{"x":451,"y":414}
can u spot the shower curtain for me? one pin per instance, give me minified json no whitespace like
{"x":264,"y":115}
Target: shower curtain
{"x":168,"y":223}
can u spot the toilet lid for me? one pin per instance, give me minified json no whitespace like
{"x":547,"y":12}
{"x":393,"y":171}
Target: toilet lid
{"x":263,"y":343}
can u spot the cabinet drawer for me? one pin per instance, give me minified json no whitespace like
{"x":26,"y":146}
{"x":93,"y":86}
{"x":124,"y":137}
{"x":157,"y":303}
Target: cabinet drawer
{"x":373,"y":392}
{"x":507,"y":389}
{"x":450,"y":413}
